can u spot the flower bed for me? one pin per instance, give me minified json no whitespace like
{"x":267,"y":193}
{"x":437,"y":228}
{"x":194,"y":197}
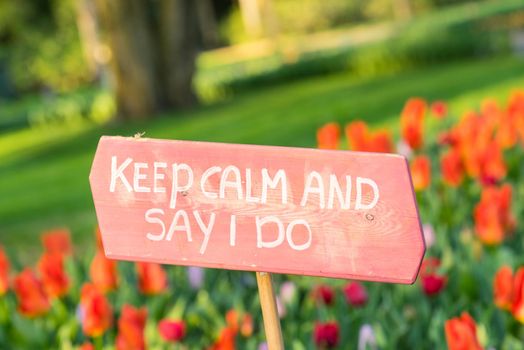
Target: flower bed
{"x":470,"y":294}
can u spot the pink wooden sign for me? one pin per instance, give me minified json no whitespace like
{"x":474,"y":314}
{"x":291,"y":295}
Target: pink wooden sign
{"x":302,"y":211}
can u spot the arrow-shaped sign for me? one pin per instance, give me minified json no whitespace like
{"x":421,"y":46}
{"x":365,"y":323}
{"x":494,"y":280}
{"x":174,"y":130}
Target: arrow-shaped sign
{"x":286,"y":210}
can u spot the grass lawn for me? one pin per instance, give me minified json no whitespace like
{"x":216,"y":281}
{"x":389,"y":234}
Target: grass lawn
{"x":44,"y":175}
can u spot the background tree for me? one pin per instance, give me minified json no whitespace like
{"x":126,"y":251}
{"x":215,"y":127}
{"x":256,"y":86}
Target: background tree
{"x":153,"y":49}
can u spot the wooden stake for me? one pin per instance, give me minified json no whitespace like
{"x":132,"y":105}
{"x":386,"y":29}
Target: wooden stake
{"x":269,"y":311}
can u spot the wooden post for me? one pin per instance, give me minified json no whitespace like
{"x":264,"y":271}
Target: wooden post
{"x":269,"y":311}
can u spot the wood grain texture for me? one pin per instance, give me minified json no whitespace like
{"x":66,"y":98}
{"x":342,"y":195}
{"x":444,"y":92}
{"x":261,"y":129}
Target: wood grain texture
{"x":269,"y":311}
{"x":384,"y":243}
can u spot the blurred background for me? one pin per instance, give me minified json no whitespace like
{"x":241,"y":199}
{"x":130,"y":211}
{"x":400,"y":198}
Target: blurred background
{"x":243,"y":71}
{"x":263,"y":72}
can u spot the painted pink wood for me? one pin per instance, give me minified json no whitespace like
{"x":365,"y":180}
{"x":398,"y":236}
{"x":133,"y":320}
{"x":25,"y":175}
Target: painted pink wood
{"x":384,"y":243}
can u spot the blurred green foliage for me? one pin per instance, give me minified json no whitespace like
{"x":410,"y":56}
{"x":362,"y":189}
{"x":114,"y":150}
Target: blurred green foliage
{"x":44,"y":172}
{"x":39,"y":45}
{"x":458,"y":32}
{"x":50,"y":111}
{"x":308,"y":16}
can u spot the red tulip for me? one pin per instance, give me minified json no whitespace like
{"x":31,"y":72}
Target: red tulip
{"x":461,"y":333}
{"x":421,"y":172}
{"x":57,"y":241}
{"x":328,"y":136}
{"x":503,"y":288}
{"x":432,"y":282}
{"x":95,"y":312}
{"x":54,"y":277}
{"x":4,"y":272}
{"x":152,"y":278}
{"x":131,"y":329}
{"x":30,"y":293}
{"x":324,"y":294}
{"x":439,"y":109}
{"x":355,"y":293}
{"x":326,"y":335}
{"x":518,"y":296}
{"x":172,"y":330}
{"x":103,"y":272}
{"x":411,"y":121}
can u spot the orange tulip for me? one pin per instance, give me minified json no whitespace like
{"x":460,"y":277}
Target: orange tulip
{"x":54,"y":277}
{"x":246,"y":327}
{"x":95,"y":312}
{"x":503,"y":288}
{"x":131,"y":329}
{"x":98,"y":235}
{"x":452,"y":168}
{"x":103,"y":272}
{"x":357,"y":134}
{"x":361,"y":139}
{"x":87,"y":346}
{"x":239,"y":322}
{"x":412,"y":122}
{"x":493,"y":219}
{"x":30,"y":293}
{"x":515,"y":111}
{"x":226,"y":340}
{"x":491,"y":164}
{"x":421,"y":172}
{"x":152,"y":278}
{"x":461,"y":333}
{"x":57,"y":241}
{"x":507,"y":132}
{"x":518,"y":296}
{"x":380,"y":142}
{"x":4,"y":272}
{"x":232,"y":320}
{"x":328,"y":136}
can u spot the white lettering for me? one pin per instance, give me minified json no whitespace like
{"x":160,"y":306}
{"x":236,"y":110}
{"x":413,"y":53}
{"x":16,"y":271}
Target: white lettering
{"x":289,"y":234}
{"x":280,"y":176}
{"x":206,"y":230}
{"x":281,"y":235}
{"x":119,"y":173}
{"x":158,"y":176}
{"x":309,"y":188}
{"x":137,"y":176}
{"x":184,"y":227}
{"x":175,"y":186}
{"x":205,"y":176}
{"x":334,"y":186}
{"x":374,"y":201}
{"x":235,"y":183}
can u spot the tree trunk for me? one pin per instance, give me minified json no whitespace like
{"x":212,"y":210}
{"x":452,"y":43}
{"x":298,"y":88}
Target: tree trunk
{"x":87,"y":29}
{"x":207,"y":23}
{"x":177,"y":51}
{"x":153,"y":46}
